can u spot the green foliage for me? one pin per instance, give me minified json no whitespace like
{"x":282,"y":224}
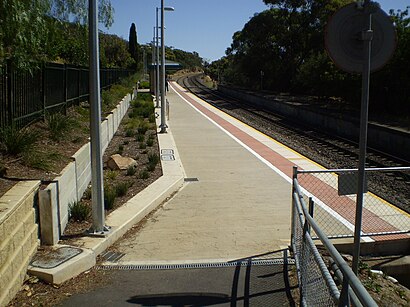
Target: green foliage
{"x":188,"y":60}
{"x":131,"y":170}
{"x":40,"y":160}
{"x":16,"y":141}
{"x":111,"y":174}
{"x":140,"y":138}
{"x":144,"y":85}
{"x":150,"y":142}
{"x":34,"y":31}
{"x":109,"y":197}
{"x":153,"y":160}
{"x":129,"y":132}
{"x":120,"y":149}
{"x":133,"y":44}
{"x":114,"y":52}
{"x":121,"y":189}
{"x":57,"y":124}
{"x":143,"y":175}
{"x":286,"y":42}
{"x":79,"y":211}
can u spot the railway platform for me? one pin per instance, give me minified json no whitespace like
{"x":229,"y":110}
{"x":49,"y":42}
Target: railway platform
{"x":231,"y":209}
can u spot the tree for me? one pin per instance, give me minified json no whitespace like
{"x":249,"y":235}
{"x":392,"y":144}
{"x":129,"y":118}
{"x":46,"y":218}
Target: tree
{"x":133,"y":43}
{"x":25,"y":27}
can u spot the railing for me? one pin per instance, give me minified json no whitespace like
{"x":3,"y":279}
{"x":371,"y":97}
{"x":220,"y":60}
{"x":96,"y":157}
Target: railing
{"x":333,"y":201}
{"x":27,"y":96}
{"x":317,"y":287}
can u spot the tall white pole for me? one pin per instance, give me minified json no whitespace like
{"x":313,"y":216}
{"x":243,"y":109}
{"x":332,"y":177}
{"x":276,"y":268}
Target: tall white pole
{"x":163,"y":125}
{"x":157,"y":65}
{"x":97,"y":190}
{"x":154,"y":50}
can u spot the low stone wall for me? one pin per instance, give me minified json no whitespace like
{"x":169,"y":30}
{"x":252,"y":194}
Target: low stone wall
{"x":69,"y":187}
{"x":18,"y":236}
{"x":379,"y":137}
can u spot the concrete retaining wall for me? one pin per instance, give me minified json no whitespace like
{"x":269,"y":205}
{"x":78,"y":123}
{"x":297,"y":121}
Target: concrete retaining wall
{"x":18,"y":237}
{"x":379,"y":137}
{"x":69,"y":187}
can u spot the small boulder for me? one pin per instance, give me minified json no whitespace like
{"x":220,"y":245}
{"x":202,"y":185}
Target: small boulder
{"x":118,"y":162}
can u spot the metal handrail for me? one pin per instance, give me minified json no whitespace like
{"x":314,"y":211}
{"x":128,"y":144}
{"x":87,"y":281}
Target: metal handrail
{"x":348,"y":276}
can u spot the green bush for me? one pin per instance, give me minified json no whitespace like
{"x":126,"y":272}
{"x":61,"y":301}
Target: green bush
{"x":57,"y":124}
{"x":143,"y":128}
{"x":129,"y":132}
{"x":150,"y":142}
{"x":140,"y":138}
{"x":109,"y":198}
{"x":121,"y":189}
{"x":142,"y":145}
{"x":144,"y":84}
{"x":16,"y":141}
{"x":151,"y":118}
{"x":79,"y":211}
{"x":111,"y":174}
{"x":120,"y":149}
{"x":153,"y":158}
{"x":131,"y":170}
{"x":144,"y":175}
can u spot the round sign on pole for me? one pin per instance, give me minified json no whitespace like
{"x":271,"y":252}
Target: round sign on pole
{"x":344,"y":37}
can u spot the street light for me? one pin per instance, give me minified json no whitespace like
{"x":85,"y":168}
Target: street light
{"x":157,"y":88}
{"x":163,"y":125}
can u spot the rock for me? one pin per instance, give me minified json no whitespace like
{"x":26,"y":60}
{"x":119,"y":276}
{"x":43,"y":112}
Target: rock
{"x":118,"y":162}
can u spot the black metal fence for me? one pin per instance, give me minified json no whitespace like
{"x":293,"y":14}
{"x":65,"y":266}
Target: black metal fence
{"x":27,"y":96}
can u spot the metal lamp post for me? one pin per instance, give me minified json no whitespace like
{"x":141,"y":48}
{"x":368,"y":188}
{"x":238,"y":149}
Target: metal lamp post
{"x":157,"y":63}
{"x":163,"y":125}
{"x":98,"y":227}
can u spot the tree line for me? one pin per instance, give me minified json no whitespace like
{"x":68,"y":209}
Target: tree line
{"x":282,"y":49}
{"x":32,"y":32}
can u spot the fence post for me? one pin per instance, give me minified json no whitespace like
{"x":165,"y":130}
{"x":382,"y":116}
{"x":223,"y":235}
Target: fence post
{"x":65,"y":89}
{"x":9,"y":77}
{"x":43,"y":88}
{"x":292,"y":219}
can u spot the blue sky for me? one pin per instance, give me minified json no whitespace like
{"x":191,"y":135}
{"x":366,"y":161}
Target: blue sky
{"x":202,"y":26}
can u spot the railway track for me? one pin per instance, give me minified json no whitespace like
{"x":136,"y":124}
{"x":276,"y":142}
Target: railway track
{"x":328,"y":150}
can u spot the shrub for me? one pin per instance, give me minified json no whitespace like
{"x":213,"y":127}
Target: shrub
{"x":151,"y":118}
{"x":58,"y":124}
{"x":150,"y":142}
{"x":153,"y":158}
{"x":142,"y":129}
{"x":120,"y":149}
{"x":129,"y":132}
{"x":142,"y":145}
{"x":140,"y":138}
{"x":131,"y":170}
{"x":121,"y":189}
{"x":109,"y":198}
{"x":17,"y":141}
{"x":111,"y":174}
{"x":79,"y":211}
{"x":144,"y":175}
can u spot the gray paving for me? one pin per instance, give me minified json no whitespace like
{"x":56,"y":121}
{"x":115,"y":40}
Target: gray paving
{"x":237,"y":208}
{"x":238,"y":285}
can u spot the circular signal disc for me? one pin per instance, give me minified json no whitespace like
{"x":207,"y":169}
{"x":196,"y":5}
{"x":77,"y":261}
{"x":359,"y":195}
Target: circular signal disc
{"x":343,"y":38}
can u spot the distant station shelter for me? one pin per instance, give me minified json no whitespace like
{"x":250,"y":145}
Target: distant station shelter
{"x":170,"y":67}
